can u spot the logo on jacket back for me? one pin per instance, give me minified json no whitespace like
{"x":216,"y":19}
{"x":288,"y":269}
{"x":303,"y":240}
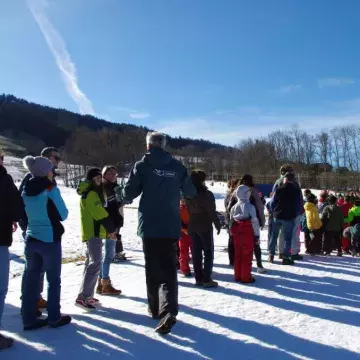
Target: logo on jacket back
{"x":164,"y":173}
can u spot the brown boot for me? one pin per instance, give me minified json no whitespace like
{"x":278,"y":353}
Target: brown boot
{"x":107,"y":288}
{"x":99,"y":287}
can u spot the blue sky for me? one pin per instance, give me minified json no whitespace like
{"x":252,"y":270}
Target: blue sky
{"x":218,"y":69}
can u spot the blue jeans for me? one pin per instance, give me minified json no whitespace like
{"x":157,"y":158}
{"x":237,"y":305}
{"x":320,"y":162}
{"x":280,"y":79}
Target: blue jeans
{"x":107,"y":259}
{"x":41,"y":282}
{"x":288,"y":228}
{"x":42,"y":256}
{"x":4,"y":276}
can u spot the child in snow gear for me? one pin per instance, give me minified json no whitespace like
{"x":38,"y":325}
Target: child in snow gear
{"x":245,"y":229}
{"x":346,"y":207}
{"x":11,"y":211}
{"x":112,"y":206}
{"x":202,"y":209}
{"x":45,"y":210}
{"x":255,"y":200}
{"x":313,"y":225}
{"x":185,"y":242}
{"x":333,"y":221}
{"x":96,"y":225}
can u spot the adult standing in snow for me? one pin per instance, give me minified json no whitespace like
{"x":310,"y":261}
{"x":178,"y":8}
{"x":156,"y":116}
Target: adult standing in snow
{"x":285,"y":205}
{"x":256,"y":201}
{"x":11,"y":210}
{"x":159,"y":178}
{"x":295,"y":241}
{"x":45,"y":210}
{"x":53,"y":155}
{"x":202,"y":209}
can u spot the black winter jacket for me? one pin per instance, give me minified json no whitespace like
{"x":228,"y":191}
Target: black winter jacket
{"x":11,"y":207}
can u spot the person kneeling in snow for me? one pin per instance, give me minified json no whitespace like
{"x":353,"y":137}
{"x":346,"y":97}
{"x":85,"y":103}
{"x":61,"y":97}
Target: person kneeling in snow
{"x":245,"y":227}
{"x":96,"y":225}
{"x":353,"y":234}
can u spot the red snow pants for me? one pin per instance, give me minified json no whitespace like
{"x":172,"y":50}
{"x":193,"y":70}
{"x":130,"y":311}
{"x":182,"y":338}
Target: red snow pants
{"x":185,"y":245}
{"x":345,"y":243}
{"x":243,"y":234}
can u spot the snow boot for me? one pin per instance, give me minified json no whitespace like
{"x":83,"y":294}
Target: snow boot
{"x":64,"y":320}
{"x":5,"y":342}
{"x":41,"y":304}
{"x":119,"y":257}
{"x":99,"y":287}
{"x":166,"y":324}
{"x":108,"y":289}
{"x":288,"y":261}
{"x":281,"y":256}
{"x":210,"y":284}
{"x":37,"y":325}
{"x":85,"y":305}
{"x":271,"y":259}
{"x":261,"y":270}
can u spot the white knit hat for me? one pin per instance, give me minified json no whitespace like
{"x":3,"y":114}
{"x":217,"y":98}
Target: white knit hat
{"x":38,"y":166}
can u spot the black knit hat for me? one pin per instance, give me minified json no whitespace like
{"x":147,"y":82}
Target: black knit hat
{"x":93,"y":172}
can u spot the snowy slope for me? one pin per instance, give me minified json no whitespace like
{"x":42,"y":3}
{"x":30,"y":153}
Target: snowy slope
{"x":310,"y":311}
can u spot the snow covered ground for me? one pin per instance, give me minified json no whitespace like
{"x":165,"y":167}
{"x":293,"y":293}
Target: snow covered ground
{"x":310,"y":311}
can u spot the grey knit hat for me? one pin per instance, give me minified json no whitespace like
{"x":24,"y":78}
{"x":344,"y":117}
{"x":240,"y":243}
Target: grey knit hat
{"x":38,"y":166}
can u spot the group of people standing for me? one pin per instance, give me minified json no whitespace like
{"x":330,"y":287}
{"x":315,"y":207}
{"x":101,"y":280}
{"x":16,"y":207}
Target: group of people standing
{"x":177,"y":213}
{"x":331,"y":223}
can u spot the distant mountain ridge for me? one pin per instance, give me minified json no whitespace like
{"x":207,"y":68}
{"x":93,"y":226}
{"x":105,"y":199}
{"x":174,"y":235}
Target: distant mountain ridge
{"x":27,"y":123}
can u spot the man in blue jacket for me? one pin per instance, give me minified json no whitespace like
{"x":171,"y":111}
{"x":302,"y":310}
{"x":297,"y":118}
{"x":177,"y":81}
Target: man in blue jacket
{"x":159,"y":178}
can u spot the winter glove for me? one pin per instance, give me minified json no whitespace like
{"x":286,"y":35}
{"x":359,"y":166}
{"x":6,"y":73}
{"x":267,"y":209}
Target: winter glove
{"x":218,"y":230}
{"x":257,"y":240}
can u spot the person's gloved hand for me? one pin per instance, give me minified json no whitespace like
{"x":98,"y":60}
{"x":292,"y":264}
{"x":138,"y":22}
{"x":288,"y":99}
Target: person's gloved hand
{"x":257,"y":240}
{"x":218,"y":230}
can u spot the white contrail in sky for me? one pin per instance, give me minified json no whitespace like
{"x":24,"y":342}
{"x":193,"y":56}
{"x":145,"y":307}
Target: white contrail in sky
{"x":63,"y":60}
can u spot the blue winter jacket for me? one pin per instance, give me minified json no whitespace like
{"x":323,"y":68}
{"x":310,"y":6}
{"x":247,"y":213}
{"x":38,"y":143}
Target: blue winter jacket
{"x":45,"y":209}
{"x":159,"y":178}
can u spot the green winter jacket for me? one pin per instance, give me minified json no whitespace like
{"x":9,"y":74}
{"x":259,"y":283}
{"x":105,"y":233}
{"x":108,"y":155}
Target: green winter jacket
{"x":95,"y":220}
{"x":333,"y":218}
{"x":354,"y":215}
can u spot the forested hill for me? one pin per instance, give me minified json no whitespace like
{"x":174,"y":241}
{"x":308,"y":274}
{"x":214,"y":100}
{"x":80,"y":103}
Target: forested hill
{"x":32,"y":126}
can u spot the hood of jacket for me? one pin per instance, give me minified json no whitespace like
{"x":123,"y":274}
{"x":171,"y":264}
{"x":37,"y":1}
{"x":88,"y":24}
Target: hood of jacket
{"x":309,"y":206}
{"x":37,"y":185}
{"x":84,"y":185}
{"x":157,"y":157}
{"x":243,"y":193}
{"x":355,"y":210}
